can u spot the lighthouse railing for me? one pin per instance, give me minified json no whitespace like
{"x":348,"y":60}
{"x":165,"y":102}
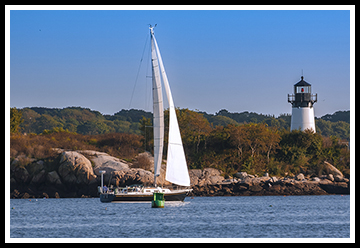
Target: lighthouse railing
{"x":314,"y":98}
{"x":291,"y":98}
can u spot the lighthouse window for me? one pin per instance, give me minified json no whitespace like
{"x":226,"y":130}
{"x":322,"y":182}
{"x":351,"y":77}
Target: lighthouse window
{"x":303,"y":89}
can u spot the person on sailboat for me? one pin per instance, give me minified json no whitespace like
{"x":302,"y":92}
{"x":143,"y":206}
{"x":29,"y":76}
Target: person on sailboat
{"x":105,"y":189}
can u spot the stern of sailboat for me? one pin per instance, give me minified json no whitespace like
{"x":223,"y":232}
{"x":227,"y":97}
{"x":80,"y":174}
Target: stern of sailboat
{"x":107,"y":197}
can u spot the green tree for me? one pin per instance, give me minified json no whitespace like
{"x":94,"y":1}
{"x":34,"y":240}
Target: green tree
{"x":339,"y":129}
{"x":93,"y":127}
{"x":237,"y":137}
{"x":46,"y":121}
{"x":15,"y":120}
{"x":194,"y":127}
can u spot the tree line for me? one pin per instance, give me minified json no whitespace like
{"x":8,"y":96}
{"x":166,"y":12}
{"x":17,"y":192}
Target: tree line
{"x":90,"y":122}
{"x":255,"y":147}
{"x":79,"y":120}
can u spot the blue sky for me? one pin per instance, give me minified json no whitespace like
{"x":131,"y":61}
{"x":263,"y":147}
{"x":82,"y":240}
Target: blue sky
{"x":238,"y":60}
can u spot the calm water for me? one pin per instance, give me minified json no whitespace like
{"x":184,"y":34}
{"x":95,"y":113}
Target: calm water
{"x":201,"y":217}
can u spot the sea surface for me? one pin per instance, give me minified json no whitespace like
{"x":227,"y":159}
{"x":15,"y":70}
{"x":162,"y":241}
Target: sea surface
{"x":326,"y":216}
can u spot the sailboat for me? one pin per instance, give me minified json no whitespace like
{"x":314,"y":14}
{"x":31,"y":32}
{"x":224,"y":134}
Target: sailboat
{"x":176,"y":166}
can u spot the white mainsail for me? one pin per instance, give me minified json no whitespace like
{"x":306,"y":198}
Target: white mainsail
{"x":176,"y":167}
{"x":158,"y":118}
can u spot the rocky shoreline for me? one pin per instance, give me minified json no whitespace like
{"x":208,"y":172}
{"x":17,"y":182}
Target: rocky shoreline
{"x":76,"y":174}
{"x":265,"y":186}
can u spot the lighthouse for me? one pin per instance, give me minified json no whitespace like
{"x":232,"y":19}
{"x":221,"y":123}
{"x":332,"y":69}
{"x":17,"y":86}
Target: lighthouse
{"x":302,"y":102}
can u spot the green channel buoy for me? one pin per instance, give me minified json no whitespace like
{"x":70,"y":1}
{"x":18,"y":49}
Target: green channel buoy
{"x":158,"y":200}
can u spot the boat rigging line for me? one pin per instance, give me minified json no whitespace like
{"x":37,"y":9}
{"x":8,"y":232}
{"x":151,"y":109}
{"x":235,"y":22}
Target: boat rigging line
{"x":138,"y":72}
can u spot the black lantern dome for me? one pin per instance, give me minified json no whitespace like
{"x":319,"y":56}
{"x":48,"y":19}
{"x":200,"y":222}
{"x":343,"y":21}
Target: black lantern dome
{"x":302,"y":96}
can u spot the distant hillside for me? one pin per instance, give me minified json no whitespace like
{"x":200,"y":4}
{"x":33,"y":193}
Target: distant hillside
{"x":86,"y":121}
{"x":132,"y":115}
{"x":80,"y":120}
{"x":224,"y":117}
{"x":337,"y":116}
{"x":337,"y":124}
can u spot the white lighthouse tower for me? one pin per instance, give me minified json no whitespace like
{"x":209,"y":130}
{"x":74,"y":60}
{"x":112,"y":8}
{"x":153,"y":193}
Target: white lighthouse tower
{"x":302,"y":102}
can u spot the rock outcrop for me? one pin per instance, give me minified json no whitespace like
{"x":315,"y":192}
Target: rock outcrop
{"x":205,"y":176}
{"x":103,"y":161}
{"x":53,"y":178}
{"x":75,"y":168}
{"x":330,"y":169}
{"x":132,"y":176}
{"x":248,"y":186}
{"x":76,"y":174}
{"x":71,"y":175}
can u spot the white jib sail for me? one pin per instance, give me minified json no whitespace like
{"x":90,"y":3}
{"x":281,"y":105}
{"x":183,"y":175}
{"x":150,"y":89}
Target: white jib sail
{"x":176,"y":167}
{"x":158,"y":109}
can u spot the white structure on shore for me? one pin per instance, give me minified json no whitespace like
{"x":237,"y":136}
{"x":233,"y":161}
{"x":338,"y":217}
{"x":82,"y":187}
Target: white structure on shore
{"x":302,"y":102}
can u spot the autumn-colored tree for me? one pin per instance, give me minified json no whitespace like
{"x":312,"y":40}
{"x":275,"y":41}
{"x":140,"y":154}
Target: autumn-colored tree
{"x":272,"y":138}
{"x":194,"y":127}
{"x":254,"y":142}
{"x":237,"y":137}
{"x":254,"y":137}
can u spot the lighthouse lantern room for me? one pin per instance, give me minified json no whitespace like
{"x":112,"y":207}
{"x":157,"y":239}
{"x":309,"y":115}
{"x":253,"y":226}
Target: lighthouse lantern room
{"x":302,"y":102}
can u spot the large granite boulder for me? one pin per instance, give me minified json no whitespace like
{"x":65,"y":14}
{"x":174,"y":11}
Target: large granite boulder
{"x":300,"y":177}
{"x":330,"y":169}
{"x":241,"y":175}
{"x":132,"y":176}
{"x":39,"y":178}
{"x":21,"y":174}
{"x":75,"y":168}
{"x":53,"y":178}
{"x":103,"y":161}
{"x":205,"y":176}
